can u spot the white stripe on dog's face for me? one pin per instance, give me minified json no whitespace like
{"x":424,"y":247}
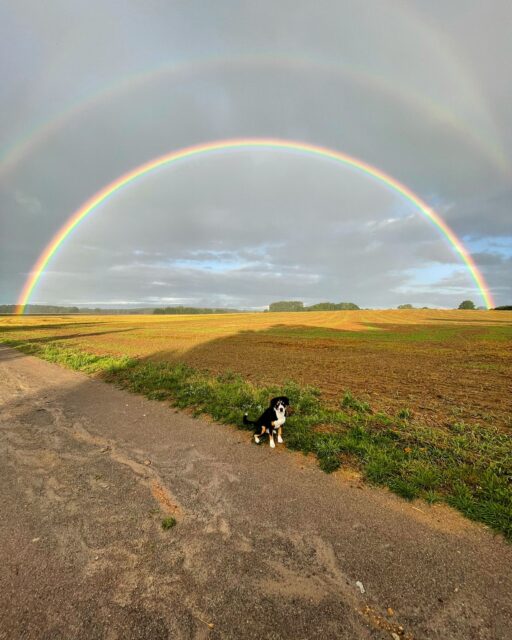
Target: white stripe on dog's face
{"x":280,"y":408}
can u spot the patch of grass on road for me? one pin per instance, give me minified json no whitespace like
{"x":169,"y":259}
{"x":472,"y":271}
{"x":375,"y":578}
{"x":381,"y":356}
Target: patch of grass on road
{"x":168,"y":523}
{"x":466,"y":466}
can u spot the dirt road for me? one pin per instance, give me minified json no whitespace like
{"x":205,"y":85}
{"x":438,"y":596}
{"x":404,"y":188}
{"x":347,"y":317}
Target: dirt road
{"x":265,"y":546}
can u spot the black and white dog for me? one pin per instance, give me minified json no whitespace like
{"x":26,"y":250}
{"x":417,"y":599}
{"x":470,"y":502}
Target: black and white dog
{"x":271,"y":420}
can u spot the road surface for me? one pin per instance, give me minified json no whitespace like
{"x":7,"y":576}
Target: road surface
{"x":266,"y":545}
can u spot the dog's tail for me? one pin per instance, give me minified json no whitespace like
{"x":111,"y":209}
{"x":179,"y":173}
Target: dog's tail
{"x":246,"y":419}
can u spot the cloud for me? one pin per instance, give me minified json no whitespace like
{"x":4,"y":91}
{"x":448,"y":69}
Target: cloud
{"x":29,"y":203}
{"x":486,"y":214}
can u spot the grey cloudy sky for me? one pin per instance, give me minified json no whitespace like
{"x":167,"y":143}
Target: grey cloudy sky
{"x":419,"y":89}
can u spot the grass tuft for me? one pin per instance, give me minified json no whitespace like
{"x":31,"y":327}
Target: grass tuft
{"x":404,"y":414}
{"x":168,"y":523}
{"x":350,"y":402}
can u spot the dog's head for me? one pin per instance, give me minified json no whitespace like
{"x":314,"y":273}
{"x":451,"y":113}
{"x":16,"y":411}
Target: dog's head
{"x":280,"y":405}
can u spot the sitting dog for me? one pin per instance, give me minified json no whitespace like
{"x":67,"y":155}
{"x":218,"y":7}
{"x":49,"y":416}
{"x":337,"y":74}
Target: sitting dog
{"x":271,"y":420}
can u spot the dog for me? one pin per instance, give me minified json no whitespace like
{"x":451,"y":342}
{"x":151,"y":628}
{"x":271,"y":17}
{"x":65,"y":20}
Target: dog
{"x":271,"y":420}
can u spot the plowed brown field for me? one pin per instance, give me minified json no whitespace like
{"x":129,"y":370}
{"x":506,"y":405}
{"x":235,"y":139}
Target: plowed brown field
{"x":443,"y":365}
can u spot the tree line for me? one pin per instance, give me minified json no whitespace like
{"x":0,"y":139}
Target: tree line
{"x":297,"y":305}
{"x":282,"y":305}
{"x":50,"y":309}
{"x":179,"y":310}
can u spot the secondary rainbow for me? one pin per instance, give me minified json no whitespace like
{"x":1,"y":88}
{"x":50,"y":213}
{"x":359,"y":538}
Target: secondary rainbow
{"x":246,"y":143}
{"x":423,"y":105}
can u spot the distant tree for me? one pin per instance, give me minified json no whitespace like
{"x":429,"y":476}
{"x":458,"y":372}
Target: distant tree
{"x":506,"y":307}
{"x":347,"y":306}
{"x":286,"y":305}
{"x":322,"y":306}
{"x":181,"y":310}
{"x":405,"y":306}
{"x":294,"y":305}
{"x":467,"y":304}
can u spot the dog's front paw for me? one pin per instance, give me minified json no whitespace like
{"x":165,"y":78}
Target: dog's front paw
{"x":280,"y":439}
{"x":256,"y":440}
{"x":272,"y":443}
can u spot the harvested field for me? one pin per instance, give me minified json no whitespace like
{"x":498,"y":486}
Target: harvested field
{"x":443,"y":366}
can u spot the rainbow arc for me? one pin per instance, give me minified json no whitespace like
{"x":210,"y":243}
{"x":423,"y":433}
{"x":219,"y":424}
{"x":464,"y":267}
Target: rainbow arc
{"x":246,"y":143}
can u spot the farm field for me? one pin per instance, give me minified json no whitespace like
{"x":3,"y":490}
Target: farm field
{"x":419,"y":401}
{"x":442,"y":366}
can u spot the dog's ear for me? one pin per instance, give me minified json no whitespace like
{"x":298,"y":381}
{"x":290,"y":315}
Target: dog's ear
{"x":273,"y":402}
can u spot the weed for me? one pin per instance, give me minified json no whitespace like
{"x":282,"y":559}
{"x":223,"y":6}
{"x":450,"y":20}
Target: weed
{"x":432,"y":497}
{"x":350,"y":402}
{"x":404,"y":414}
{"x":404,"y":488}
{"x":328,"y":447}
{"x":168,"y":523}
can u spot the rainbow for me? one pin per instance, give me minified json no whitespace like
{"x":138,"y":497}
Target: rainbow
{"x":424,"y":105}
{"x":245,"y":143}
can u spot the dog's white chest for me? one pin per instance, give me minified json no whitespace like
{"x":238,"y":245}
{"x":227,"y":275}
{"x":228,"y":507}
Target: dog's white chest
{"x":280,"y":421}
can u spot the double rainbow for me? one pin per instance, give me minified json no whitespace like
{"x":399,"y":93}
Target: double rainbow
{"x":245,"y":143}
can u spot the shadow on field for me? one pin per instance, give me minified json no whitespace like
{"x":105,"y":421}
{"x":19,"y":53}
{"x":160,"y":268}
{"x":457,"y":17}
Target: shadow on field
{"x":330,"y":359}
{"x":43,"y":327}
{"x":66,"y":336}
{"x":435,"y":375}
{"x":271,"y":348}
{"x":471,"y":320}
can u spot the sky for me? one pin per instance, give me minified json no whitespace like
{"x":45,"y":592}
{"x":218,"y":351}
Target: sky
{"x":418,"y":89}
